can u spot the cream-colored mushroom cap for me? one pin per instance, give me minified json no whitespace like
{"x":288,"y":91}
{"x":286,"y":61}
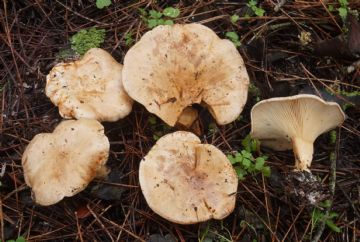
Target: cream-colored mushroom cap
{"x":294,"y":123}
{"x":62,"y":163}
{"x":187,"y":182}
{"x":172,"y":67}
{"x":89,"y":88}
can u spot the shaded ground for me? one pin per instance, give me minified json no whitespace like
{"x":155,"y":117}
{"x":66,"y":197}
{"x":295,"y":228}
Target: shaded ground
{"x":33,"y":32}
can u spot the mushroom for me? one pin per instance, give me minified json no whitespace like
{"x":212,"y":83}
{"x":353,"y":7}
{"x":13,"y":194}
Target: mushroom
{"x":187,"y":118}
{"x":187,"y":182}
{"x":62,"y":163}
{"x":294,"y":122}
{"x":89,"y":88}
{"x":173,"y":67}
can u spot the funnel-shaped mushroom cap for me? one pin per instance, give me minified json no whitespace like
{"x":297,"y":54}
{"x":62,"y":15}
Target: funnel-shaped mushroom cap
{"x":187,"y":182}
{"x":89,"y":88}
{"x":172,"y":67}
{"x":294,"y":123}
{"x":62,"y":163}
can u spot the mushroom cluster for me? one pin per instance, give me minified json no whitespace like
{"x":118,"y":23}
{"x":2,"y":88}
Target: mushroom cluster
{"x":167,"y":71}
{"x":63,"y":163}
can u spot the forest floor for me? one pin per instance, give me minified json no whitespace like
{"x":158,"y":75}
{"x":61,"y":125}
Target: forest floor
{"x":288,"y":49}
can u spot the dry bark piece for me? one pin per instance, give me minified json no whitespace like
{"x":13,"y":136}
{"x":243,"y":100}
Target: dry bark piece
{"x":89,"y":88}
{"x":187,"y":182}
{"x":294,"y":123}
{"x":173,"y":67}
{"x":62,"y":163}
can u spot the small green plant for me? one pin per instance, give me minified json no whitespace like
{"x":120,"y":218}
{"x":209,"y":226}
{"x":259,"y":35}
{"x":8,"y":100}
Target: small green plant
{"x":158,"y":130}
{"x":318,"y":215}
{"x":100,"y":4}
{"x":343,"y":9}
{"x":212,"y":233}
{"x":332,"y":137}
{"x":245,"y":163}
{"x":86,"y":39}
{"x":257,"y":11}
{"x":234,"y":37}
{"x":19,"y":239}
{"x":234,"y":18}
{"x":350,"y":94}
{"x":254,"y":91}
{"x":155,"y":18}
{"x":212,"y":128}
{"x":128,"y":39}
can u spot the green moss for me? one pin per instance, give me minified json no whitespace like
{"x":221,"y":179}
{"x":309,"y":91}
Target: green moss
{"x":86,"y":39}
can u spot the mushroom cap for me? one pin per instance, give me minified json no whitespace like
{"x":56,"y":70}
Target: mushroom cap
{"x":188,"y":117}
{"x":172,"y":67}
{"x":62,"y":163}
{"x":89,"y":88}
{"x":278,"y":122}
{"x":188,"y":182}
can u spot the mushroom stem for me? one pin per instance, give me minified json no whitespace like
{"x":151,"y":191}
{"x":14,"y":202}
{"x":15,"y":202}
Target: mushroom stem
{"x":303,"y":151}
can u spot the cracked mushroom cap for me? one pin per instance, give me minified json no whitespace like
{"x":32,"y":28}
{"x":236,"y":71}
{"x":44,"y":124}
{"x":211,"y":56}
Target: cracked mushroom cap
{"x":187,"y":182}
{"x":89,"y":88}
{"x":172,"y":67}
{"x":294,"y":122}
{"x":62,"y":163}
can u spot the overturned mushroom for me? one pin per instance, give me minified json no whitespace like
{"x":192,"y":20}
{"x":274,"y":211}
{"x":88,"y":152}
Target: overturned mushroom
{"x":294,"y":123}
{"x":173,"y":67}
{"x":89,"y":88}
{"x":187,"y":182}
{"x":62,"y":163}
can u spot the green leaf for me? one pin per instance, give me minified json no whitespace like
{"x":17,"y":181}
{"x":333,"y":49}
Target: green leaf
{"x":240,"y":172}
{"x":246,"y":143}
{"x":160,"y":22}
{"x":142,"y":11}
{"x":266,"y":171}
{"x":332,"y":226}
{"x":20,"y":239}
{"x":155,"y":14}
{"x":171,"y":12}
{"x":100,"y":4}
{"x":232,"y":159}
{"x":238,"y":157}
{"x":251,"y":3}
{"x":232,"y":35}
{"x":343,"y":3}
{"x":331,"y":8}
{"x":128,"y":39}
{"x":234,"y":18}
{"x":333,"y":215}
{"x":259,"y":163}
{"x":259,"y":12}
{"x":152,"y":23}
{"x":168,"y":22}
{"x":343,"y":12}
{"x":247,"y":155}
{"x":325,"y":204}
{"x":246,"y":163}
